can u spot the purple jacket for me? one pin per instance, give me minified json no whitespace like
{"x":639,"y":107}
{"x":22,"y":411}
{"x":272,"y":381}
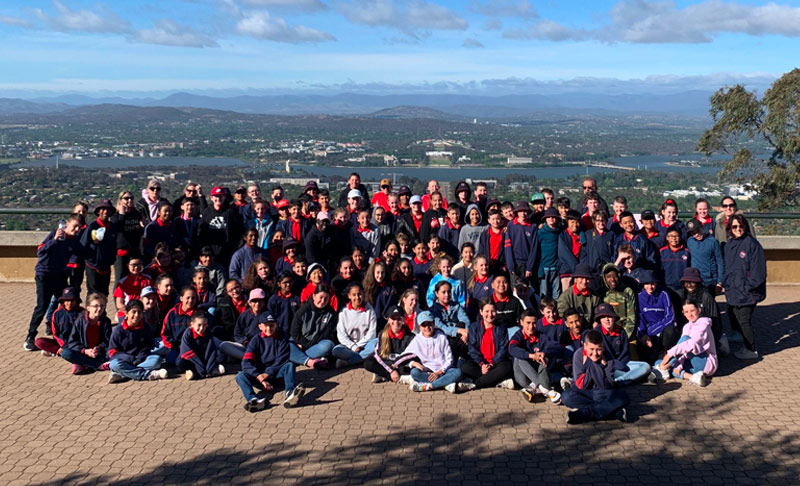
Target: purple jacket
{"x":700,"y":341}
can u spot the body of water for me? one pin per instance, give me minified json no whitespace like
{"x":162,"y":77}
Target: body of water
{"x":646,"y":162}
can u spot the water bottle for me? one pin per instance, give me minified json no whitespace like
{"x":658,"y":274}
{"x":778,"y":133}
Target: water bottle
{"x":62,"y":225}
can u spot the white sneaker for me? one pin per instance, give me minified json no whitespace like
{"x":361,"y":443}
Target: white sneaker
{"x":47,"y":354}
{"x":464,"y":386}
{"x":746,"y":354}
{"x":219,"y":371}
{"x":189,"y":375}
{"x":699,"y":379}
{"x":657,"y":375}
{"x":507,"y":384}
{"x":420,"y":387}
{"x":452,"y":388}
{"x":405,"y":380}
{"x":340,"y":363}
{"x":553,"y":395}
{"x":565,"y":383}
{"x":159,"y":374}
{"x":724,"y":348}
{"x":294,"y":396}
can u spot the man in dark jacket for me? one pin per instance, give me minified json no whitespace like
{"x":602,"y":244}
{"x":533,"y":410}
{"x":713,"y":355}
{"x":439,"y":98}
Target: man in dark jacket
{"x":195,"y":193}
{"x":221,"y":226}
{"x":318,"y":242}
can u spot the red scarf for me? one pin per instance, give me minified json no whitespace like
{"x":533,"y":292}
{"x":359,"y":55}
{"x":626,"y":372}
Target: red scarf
{"x":614,"y":331}
{"x":583,"y":293}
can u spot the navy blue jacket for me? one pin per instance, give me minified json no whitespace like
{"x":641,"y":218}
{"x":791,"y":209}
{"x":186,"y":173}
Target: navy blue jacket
{"x":246,"y":326}
{"x":130,"y":345}
{"x":175,"y":324}
{"x":157,"y":232}
{"x":591,"y":375}
{"x":599,"y":249}
{"x":661,"y":240}
{"x":484,"y":248}
{"x":100,"y":255}
{"x":474,"y":337}
{"x":644,"y":251}
{"x":206,"y":300}
{"x":53,"y":255}
{"x":201,"y":351}
{"x":745,"y":278}
{"x":285,"y":225}
{"x":520,"y":346}
{"x":186,"y":233}
{"x":550,"y":336}
{"x":673,"y":263}
{"x":266,"y":354}
{"x":521,"y":246}
{"x":615,"y":345}
{"x":61,"y":323}
{"x":283,"y":309}
{"x":448,"y":235}
{"x":78,"y":339}
{"x":566,"y":258}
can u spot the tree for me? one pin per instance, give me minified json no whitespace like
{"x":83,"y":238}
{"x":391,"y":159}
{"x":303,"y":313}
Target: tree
{"x":741,"y":121}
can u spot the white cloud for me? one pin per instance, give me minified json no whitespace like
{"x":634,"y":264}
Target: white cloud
{"x":505,"y":8}
{"x":408,"y":16}
{"x":472,"y":44}
{"x":104,"y":20}
{"x":169,"y":33}
{"x":658,"y":22}
{"x":493,"y":24}
{"x":262,"y":25}
{"x":14,"y":21}
{"x":288,"y":5}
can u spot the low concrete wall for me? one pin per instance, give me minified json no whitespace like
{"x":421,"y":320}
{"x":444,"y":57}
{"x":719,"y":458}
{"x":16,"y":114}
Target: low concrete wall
{"x":18,"y":256}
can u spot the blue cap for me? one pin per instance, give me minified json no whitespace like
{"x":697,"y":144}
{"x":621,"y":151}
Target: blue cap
{"x":147,"y":291}
{"x":424,"y":316}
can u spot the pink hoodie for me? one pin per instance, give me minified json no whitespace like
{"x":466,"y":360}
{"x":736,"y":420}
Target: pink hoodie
{"x":701,"y":340}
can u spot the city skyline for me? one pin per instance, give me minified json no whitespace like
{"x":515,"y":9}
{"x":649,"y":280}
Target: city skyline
{"x":494,"y":47}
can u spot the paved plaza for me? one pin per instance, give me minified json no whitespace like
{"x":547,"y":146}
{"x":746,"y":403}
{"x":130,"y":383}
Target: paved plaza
{"x":57,"y":429}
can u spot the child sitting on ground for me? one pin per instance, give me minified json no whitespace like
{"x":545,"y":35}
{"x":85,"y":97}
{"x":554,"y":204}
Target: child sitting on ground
{"x":265,"y":361}
{"x":530,"y":360}
{"x":356,"y":329}
{"x":616,"y":346}
{"x":593,"y":397}
{"x":129,"y":348}
{"x":200,"y":354}
{"x":694,"y":358}
{"x":87,"y":344}
{"x":69,"y":309}
{"x":656,"y":331}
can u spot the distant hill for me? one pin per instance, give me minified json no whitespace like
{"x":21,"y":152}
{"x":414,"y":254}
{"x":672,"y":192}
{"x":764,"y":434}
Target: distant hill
{"x":438,"y":106}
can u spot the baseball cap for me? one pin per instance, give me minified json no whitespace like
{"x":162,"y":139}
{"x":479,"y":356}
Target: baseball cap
{"x":220,"y":191}
{"x":424,"y":317}
{"x":538,"y":197}
{"x":404,"y":190}
{"x":147,"y":291}
{"x":257,"y":294}
{"x":693,"y":226}
{"x":648,"y":215}
{"x":415,"y":200}
{"x":394,"y":311}
{"x":323,"y":215}
{"x":354,"y":193}
{"x":386,"y":182}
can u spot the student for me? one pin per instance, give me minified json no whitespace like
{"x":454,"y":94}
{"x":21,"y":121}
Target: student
{"x":290,"y":248}
{"x":356,"y":329}
{"x":457,"y":293}
{"x":694,"y":357}
{"x":529,"y":360}
{"x":409,"y":304}
{"x":403,"y":279}
{"x":571,"y":340}
{"x":701,"y":210}
{"x":266,"y":361}
{"x":183,"y":270}
{"x":656,"y":331}
{"x":99,"y":243}
{"x":245,"y":256}
{"x":616,"y":346}
{"x":410,"y":222}
{"x":579,"y":296}
{"x":259,"y":275}
{"x":521,"y":246}
{"x":508,"y":308}
{"x":674,"y":258}
{"x":648,"y":219}
{"x":365,"y":235}
{"x":200,"y":355}
{"x":462,"y":193}
{"x":295,"y":226}
{"x":263,"y":223}
{"x":161,"y":263}
{"x":316,"y":275}
{"x":319,"y":241}
{"x":377,"y":291}
{"x":246,"y":325}
{"x":175,"y":324}
{"x":206,"y":298}
{"x":745,"y":281}
{"x":229,"y":307}
{"x":593,"y":397}
{"x":619,"y":206}
{"x":345,"y":277}
{"x":694,"y":290}
{"x":392,"y":343}
{"x":463,"y":269}
{"x":479,"y":287}
{"x":131,"y":285}
{"x":421,"y":263}
{"x":450,"y":231}
{"x":706,"y":255}
{"x":221,"y":225}
{"x":473,"y":226}
{"x":360,"y":263}
{"x":571,"y":248}
{"x":599,"y":243}
{"x":87,"y":344}
{"x":69,"y":309}
{"x":547,"y":270}
{"x":630,"y":274}
{"x":390,"y":254}
{"x":550,"y":326}
{"x":491,"y":243}
{"x":669,"y":217}
{"x":216,"y":274}
{"x":592,"y":201}
{"x":160,"y":230}
{"x":152,"y":318}
{"x":313,"y":330}
{"x":487,"y":362}
{"x":283,"y":304}
{"x":622,"y":299}
{"x":129,"y":349}
{"x":432,"y":366}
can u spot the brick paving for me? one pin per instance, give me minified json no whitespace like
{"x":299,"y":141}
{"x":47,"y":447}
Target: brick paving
{"x":61,"y":429}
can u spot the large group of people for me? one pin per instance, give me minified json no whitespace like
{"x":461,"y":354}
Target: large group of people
{"x":569,"y":301}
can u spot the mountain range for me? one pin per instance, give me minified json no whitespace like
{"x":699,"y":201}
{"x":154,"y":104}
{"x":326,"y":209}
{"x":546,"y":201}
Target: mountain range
{"x":444,"y":106}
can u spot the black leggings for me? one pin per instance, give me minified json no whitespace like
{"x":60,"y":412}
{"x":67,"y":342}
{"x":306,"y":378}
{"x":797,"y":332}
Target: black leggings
{"x":741,"y":321}
{"x":498,"y":373}
{"x":668,"y":339}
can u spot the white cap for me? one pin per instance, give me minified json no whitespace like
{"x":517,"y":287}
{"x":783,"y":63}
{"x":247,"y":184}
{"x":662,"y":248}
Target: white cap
{"x":415,"y":199}
{"x":353,"y":194}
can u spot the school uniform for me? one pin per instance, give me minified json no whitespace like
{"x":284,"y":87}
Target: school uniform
{"x":283,"y":308}
{"x":491,"y":244}
{"x":593,"y":393}
{"x":673,"y":263}
{"x":528,"y":373}
{"x":200,"y":353}
{"x":157,"y":232}
{"x":61,"y":324}
{"x":644,"y":252}
{"x":599,"y":249}
{"x":175,"y":324}
{"x":487,"y":346}
{"x":548,"y":269}
{"x":270,"y":355}
{"x":616,"y":347}
{"x":521,"y":248}
{"x":87,"y":335}
{"x":382,"y":365}
{"x":707,"y":258}
{"x":129,"y":351}
{"x":571,"y":248}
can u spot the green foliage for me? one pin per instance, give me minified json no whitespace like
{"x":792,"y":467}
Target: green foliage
{"x":745,"y":126}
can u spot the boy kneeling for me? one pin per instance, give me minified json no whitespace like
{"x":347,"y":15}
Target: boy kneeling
{"x":266,"y":360}
{"x":592,"y":396}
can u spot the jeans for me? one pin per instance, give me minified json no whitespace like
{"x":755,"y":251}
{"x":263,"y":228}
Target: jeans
{"x":452,"y":375}
{"x":740,"y":317}
{"x":319,"y":350}
{"x":498,"y":373}
{"x":76,"y":357}
{"x":597,"y":404}
{"x":550,"y":284}
{"x":691,"y":364}
{"x":341,"y":351}
{"x":636,"y":371}
{"x":247,"y":383}
{"x":170,"y":355}
{"x":47,"y":286}
{"x":529,"y":373}
{"x":232,"y":349}
{"x":136,"y":372}
{"x":97,"y":282}
{"x":667,"y":339}
{"x":48,"y":316}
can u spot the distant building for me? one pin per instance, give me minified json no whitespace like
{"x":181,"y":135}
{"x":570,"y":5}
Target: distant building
{"x":518,"y":160}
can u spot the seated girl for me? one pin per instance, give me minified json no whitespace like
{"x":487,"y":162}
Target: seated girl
{"x":200,"y":355}
{"x":313,"y":330}
{"x":356,"y":329}
{"x":694,"y":358}
{"x":451,"y":318}
{"x":457,"y":293}
{"x":87,"y":344}
{"x":246,"y":326}
{"x":283,"y":304}
{"x":129,"y":348}
{"x":392,"y":343}
{"x":175,"y":324}
{"x":69,"y":309}
{"x":432,"y":366}
{"x":488,"y":362}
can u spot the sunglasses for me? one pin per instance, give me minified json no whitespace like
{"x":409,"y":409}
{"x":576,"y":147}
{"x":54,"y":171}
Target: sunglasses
{"x":154,"y":188}
{"x":729,"y":205}
{"x":127,"y":198}
{"x":736,"y":226}
{"x":588,"y":187}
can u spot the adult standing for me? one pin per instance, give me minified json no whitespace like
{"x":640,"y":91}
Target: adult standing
{"x":433,"y":186}
{"x":745,"y":281}
{"x":381,"y":198}
{"x":589,"y":186}
{"x":195,"y":193}
{"x":128,"y":221}
{"x":100,"y":245}
{"x":221,"y":225}
{"x":151,"y":199}
{"x":729,"y":208}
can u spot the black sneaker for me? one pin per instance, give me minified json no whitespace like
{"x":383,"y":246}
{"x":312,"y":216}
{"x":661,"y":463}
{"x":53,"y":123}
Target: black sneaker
{"x":256,"y":405}
{"x":574,"y":417}
{"x":294,"y":396}
{"x":28,"y":345}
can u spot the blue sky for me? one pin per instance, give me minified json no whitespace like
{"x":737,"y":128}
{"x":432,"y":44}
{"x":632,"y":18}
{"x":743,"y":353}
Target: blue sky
{"x":391,"y":46}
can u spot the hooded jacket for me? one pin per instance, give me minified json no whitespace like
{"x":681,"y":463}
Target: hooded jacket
{"x":311,"y":325}
{"x":701,"y":340}
{"x":468,"y":232}
{"x":622,"y":299}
